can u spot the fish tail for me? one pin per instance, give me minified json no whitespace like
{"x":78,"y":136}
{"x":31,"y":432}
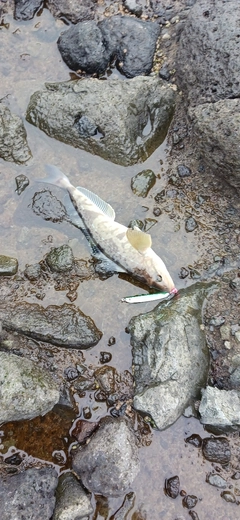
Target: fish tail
{"x":56,"y":177}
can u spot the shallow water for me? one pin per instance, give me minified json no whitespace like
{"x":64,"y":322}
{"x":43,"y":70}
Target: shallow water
{"x":29,"y":58}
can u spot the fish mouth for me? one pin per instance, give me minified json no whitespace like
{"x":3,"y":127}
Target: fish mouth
{"x":174,"y":291}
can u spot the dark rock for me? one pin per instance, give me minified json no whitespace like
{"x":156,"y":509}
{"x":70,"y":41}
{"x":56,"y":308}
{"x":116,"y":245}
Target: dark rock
{"x":30,"y":493}
{"x":8,"y":265}
{"x":236,"y":476}
{"x":172,"y":486}
{"x":65,"y":326}
{"x":216,"y":450}
{"x":195,"y":440}
{"x":71,"y":373}
{"x":33,"y":272}
{"x":26,"y":9}
{"x":157,"y":211}
{"x":87,"y":414}
{"x":164,"y":72}
{"x":111,"y":341}
{"x":86,"y":127}
{"x":83,"y":430}
{"x":133,"y":116}
{"x":13,"y":137}
{"x":189,"y":501}
{"x":183,"y":171}
{"x":190,"y":224}
{"x":72,"y":501}
{"x":183,"y":273}
{"x":105,"y":357}
{"x":22,"y":182}
{"x":228,"y":496}
{"x":142,"y":183}
{"x":217,"y":321}
{"x":72,"y":10}
{"x":14,"y":459}
{"x":109,"y":463}
{"x":194,"y":515}
{"x":216,"y":480}
{"x":133,"y":7}
{"x":60,"y":259}
{"x":47,"y":206}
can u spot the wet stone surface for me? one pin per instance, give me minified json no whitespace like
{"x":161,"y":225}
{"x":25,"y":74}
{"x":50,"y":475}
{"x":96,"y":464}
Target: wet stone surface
{"x":143,"y":182}
{"x":216,"y":450}
{"x":8,"y":266}
{"x":172,"y":486}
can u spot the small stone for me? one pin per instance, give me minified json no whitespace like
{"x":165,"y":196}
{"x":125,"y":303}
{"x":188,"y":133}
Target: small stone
{"x":216,"y":480}
{"x":236,"y":476}
{"x":217,"y":321}
{"x":228,"y":496}
{"x":172,"y":486}
{"x":143,"y":182}
{"x":189,"y":501}
{"x":87,"y":414}
{"x":195,"y":440}
{"x":60,"y":259}
{"x":8,"y":265}
{"x":183,"y":171}
{"x":157,"y":211}
{"x":164,"y":72}
{"x":225,"y":332}
{"x":111,"y":341}
{"x":227,"y":345}
{"x":83,"y":429}
{"x":22,"y":182}
{"x":105,"y":357}
{"x":183,"y":273}
{"x":237,"y":336}
{"x":71,"y":373}
{"x":133,"y":7}
{"x":216,"y":450}
{"x":190,"y":224}
{"x":194,"y":515}
{"x":32,"y":272}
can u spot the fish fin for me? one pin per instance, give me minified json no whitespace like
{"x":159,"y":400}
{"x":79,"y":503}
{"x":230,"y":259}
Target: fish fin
{"x":100,"y":203}
{"x":138,"y":239}
{"x":55,"y":176}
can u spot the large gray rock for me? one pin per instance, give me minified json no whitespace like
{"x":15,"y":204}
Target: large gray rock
{"x":72,"y":501}
{"x":170,"y":356}
{"x":109,"y":463}
{"x":220,"y":408}
{"x":217,"y":128}
{"x":65,"y":326}
{"x":122,"y":121}
{"x":208,"y":62}
{"x":26,"y":390}
{"x":13,"y":137}
{"x":28,"y":495}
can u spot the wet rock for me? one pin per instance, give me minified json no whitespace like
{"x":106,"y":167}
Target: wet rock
{"x":72,"y":10}
{"x":22,"y":182}
{"x":189,"y":501}
{"x":60,"y":259}
{"x":214,"y":27}
{"x":72,"y":501}
{"x":216,"y":480}
{"x":33,"y":272}
{"x":30,"y":493}
{"x":8,"y":265}
{"x":170,"y":359}
{"x":142,"y":183}
{"x":83,"y":430}
{"x":71,"y":373}
{"x":106,"y":376}
{"x":26,"y":390}
{"x":65,"y":326}
{"x":228,"y":496}
{"x":172,"y":486}
{"x":13,"y":137}
{"x":217,"y":131}
{"x":194,"y":515}
{"x":236,"y":476}
{"x":127,"y":505}
{"x":183,"y":272}
{"x":157,"y":211}
{"x":111,"y":341}
{"x":183,"y":171}
{"x":91,"y":47}
{"x":195,"y":440}
{"x":133,"y":116}
{"x":105,"y":357}
{"x":216,"y":450}
{"x":47,"y":206}
{"x":164,"y":72}
{"x":26,"y":9}
{"x":109,"y":463}
{"x":190,"y":224}
{"x":220,"y":407}
{"x":217,"y":321}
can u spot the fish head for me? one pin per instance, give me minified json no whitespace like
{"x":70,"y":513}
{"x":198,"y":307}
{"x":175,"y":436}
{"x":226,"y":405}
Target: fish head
{"x":160,"y":277}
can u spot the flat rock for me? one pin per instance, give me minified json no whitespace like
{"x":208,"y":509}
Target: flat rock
{"x":26,"y":390}
{"x":8,"y":265}
{"x":64,"y":326}
{"x":109,"y":463}
{"x":72,"y":501}
{"x":170,"y":357}
{"x":13,"y":137}
{"x":130,"y":118}
{"x":29,"y":494}
{"x":220,"y":407}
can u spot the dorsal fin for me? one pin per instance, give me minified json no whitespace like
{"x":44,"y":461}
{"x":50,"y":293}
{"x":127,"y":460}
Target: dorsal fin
{"x":100,"y":203}
{"x":138,"y":239}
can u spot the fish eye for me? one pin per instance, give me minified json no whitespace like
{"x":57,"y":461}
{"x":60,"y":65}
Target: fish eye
{"x":159,"y":278}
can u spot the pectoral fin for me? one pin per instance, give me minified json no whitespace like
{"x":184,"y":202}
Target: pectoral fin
{"x":139,"y":240}
{"x":100,"y":203}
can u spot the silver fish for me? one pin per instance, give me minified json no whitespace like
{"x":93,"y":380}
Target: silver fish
{"x":130,"y":249}
{"x":142,"y":298}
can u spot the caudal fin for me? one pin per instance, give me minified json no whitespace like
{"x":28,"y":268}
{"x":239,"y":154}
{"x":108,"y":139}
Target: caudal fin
{"x":55,"y":176}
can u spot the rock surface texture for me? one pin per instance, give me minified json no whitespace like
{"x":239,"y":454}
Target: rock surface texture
{"x":13,"y":137}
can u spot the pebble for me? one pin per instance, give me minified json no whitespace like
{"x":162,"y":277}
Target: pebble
{"x":228,"y":496}
{"x":22,"y":182}
{"x":194,"y":515}
{"x":8,"y":265}
{"x":111,"y":341}
{"x":190,"y":224}
{"x":32,"y":272}
{"x":195,"y":440}
{"x":183,"y":171}
{"x":189,"y":501}
{"x":83,"y":429}
{"x":105,"y":357}
{"x":183,"y":273}
{"x":172,"y":486}
{"x":216,"y":480}
{"x":216,"y":450}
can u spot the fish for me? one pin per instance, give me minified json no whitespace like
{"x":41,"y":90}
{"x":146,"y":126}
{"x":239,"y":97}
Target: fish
{"x":142,"y":298}
{"x":129,"y":248}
